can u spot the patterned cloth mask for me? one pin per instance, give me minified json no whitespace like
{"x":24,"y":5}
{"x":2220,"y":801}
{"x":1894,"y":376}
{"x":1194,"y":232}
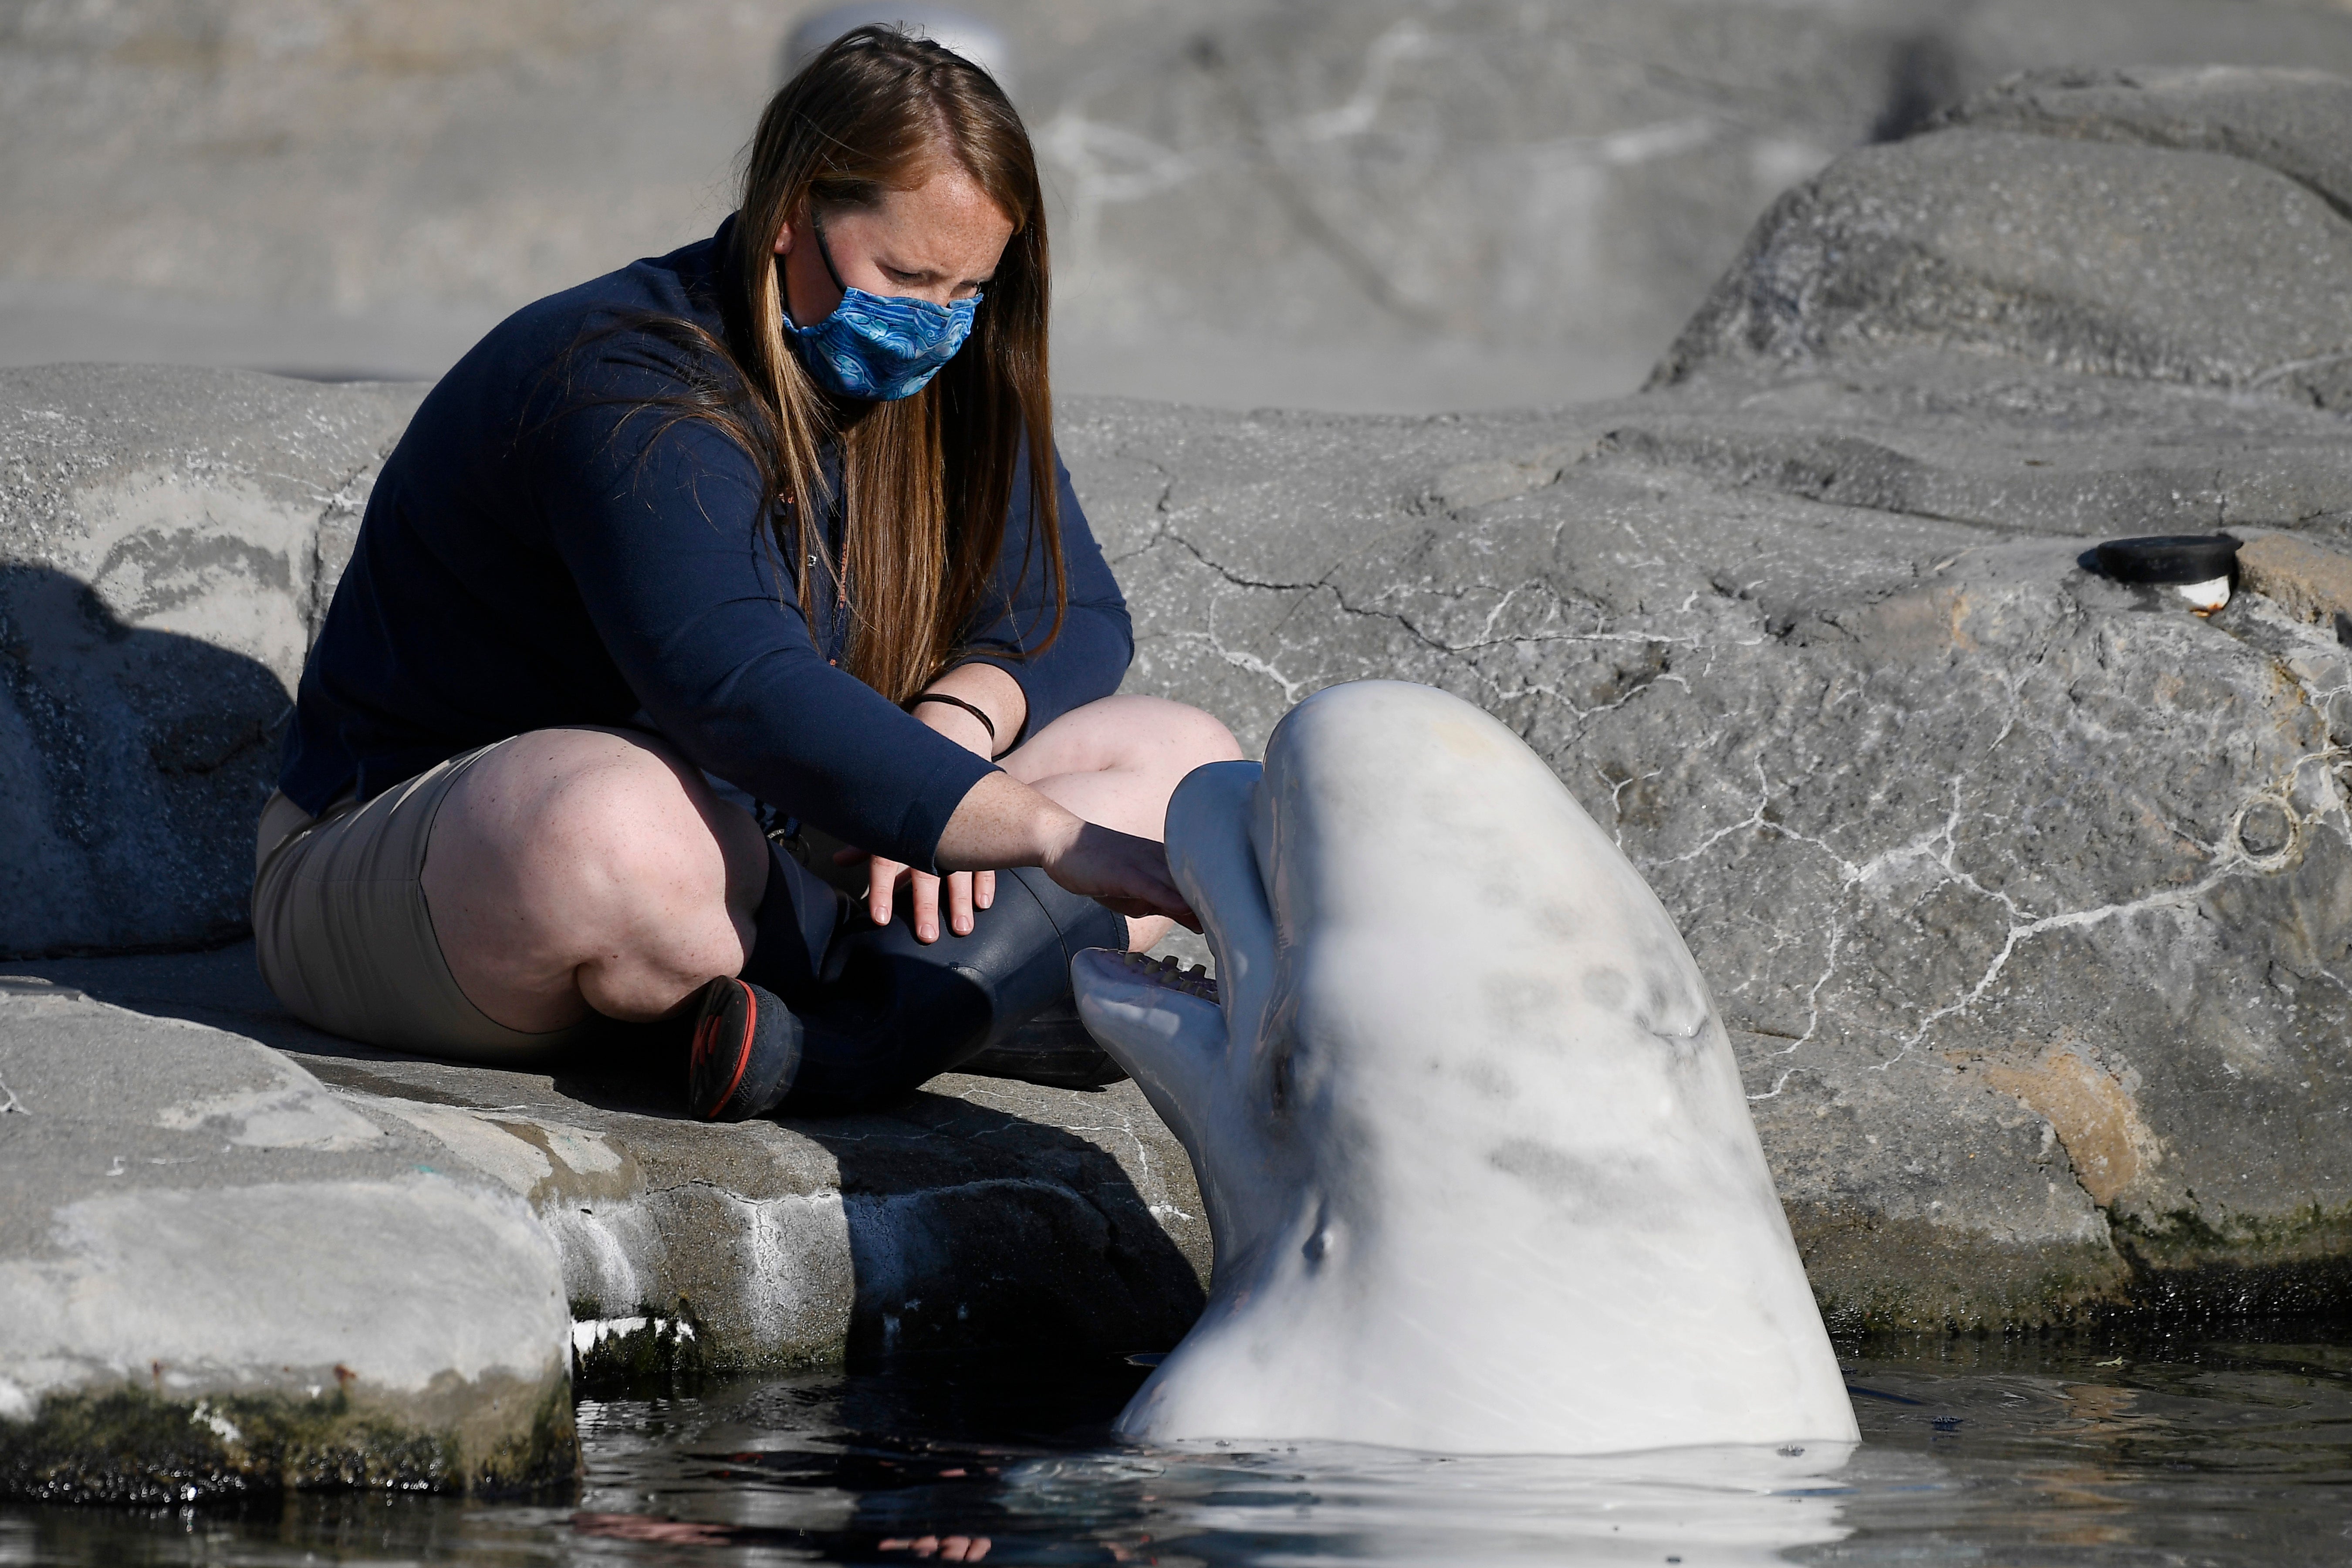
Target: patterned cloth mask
{"x":875,"y":346}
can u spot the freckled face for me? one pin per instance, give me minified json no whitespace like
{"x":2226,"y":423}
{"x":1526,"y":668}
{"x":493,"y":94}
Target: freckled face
{"x":940,"y":240}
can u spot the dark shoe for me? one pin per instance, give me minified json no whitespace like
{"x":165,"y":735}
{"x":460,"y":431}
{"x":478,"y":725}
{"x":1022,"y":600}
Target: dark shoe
{"x":1053,"y":1050}
{"x":902,"y":1011}
{"x":745,"y":1052}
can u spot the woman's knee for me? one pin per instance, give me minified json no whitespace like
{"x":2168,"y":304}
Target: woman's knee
{"x":1128,"y":732}
{"x":589,"y":836}
{"x":1169,"y":740}
{"x":1198,"y":735}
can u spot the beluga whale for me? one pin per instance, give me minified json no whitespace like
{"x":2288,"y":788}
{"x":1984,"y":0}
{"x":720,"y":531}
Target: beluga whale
{"x":1474,"y":1148}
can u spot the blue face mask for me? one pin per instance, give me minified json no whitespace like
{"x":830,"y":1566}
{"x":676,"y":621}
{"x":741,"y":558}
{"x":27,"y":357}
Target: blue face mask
{"x":877,"y":347}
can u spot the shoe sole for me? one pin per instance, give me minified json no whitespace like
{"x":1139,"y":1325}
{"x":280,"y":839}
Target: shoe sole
{"x":728,"y":1022}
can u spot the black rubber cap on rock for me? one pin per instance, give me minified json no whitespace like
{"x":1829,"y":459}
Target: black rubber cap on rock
{"x":2168,"y":558}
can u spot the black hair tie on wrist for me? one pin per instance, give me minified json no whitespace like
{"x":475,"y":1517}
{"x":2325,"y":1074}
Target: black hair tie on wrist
{"x":985,"y":721}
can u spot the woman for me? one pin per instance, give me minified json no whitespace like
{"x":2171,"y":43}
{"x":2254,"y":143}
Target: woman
{"x":764,"y":541}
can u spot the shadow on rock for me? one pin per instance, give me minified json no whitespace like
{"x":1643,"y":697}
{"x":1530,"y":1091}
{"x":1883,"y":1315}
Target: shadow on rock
{"x":984,"y":1211}
{"x":133,"y":763}
{"x":980,"y":1212}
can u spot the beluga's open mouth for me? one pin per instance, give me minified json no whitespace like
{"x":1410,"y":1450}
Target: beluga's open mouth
{"x":1470,"y":1136}
{"x":1165,"y":973}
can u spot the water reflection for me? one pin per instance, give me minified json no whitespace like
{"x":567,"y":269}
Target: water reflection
{"x":826,"y":1468}
{"x":1331,"y":1504}
{"x":2220,"y":1452}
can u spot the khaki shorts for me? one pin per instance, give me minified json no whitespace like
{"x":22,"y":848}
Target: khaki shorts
{"x":344,"y":938}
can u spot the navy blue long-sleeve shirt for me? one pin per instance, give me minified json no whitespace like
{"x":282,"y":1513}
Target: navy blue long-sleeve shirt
{"x":542,"y":549}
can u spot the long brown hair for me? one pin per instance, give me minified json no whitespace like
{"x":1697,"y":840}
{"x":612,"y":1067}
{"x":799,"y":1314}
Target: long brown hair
{"x":926,"y":480}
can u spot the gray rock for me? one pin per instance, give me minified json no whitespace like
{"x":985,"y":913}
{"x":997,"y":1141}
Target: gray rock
{"x":324,"y":1265}
{"x":2290,"y":121}
{"x":1550,"y":190}
{"x":1983,"y":438}
{"x":2020,"y":891}
{"x":1383,"y":206}
{"x":2177,"y":226}
{"x":1357,"y":204}
{"x":2306,"y":580}
{"x":168,"y":539}
{"x":788,"y":1243}
{"x":218,"y":1276}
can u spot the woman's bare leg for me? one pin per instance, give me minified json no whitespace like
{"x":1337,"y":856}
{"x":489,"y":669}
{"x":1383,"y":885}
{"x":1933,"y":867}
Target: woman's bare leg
{"x":573,"y":869}
{"x":1117,"y":761}
{"x":579,"y":869}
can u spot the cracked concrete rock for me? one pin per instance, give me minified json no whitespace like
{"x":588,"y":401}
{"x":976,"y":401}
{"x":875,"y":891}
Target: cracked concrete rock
{"x":161,"y":534}
{"x":226,"y":1265}
{"x":980,"y":1212}
{"x":2023,"y":892}
{"x":218,"y":1276}
{"x":2184,"y":227}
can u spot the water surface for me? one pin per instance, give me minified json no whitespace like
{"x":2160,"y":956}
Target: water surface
{"x":2178,"y":1451}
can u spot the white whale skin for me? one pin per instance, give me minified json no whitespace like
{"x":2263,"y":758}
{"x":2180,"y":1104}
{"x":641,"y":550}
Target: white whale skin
{"x":1476,"y":1154}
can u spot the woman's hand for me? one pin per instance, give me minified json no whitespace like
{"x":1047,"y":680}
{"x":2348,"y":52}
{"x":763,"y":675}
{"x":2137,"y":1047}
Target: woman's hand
{"x":998,"y":696}
{"x":1004,"y":822}
{"x":963,"y":891}
{"x":1121,"y":871}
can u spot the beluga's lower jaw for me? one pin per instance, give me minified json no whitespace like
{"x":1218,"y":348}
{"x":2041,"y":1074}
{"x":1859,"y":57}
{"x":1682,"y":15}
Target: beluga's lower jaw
{"x":1474,"y":1148}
